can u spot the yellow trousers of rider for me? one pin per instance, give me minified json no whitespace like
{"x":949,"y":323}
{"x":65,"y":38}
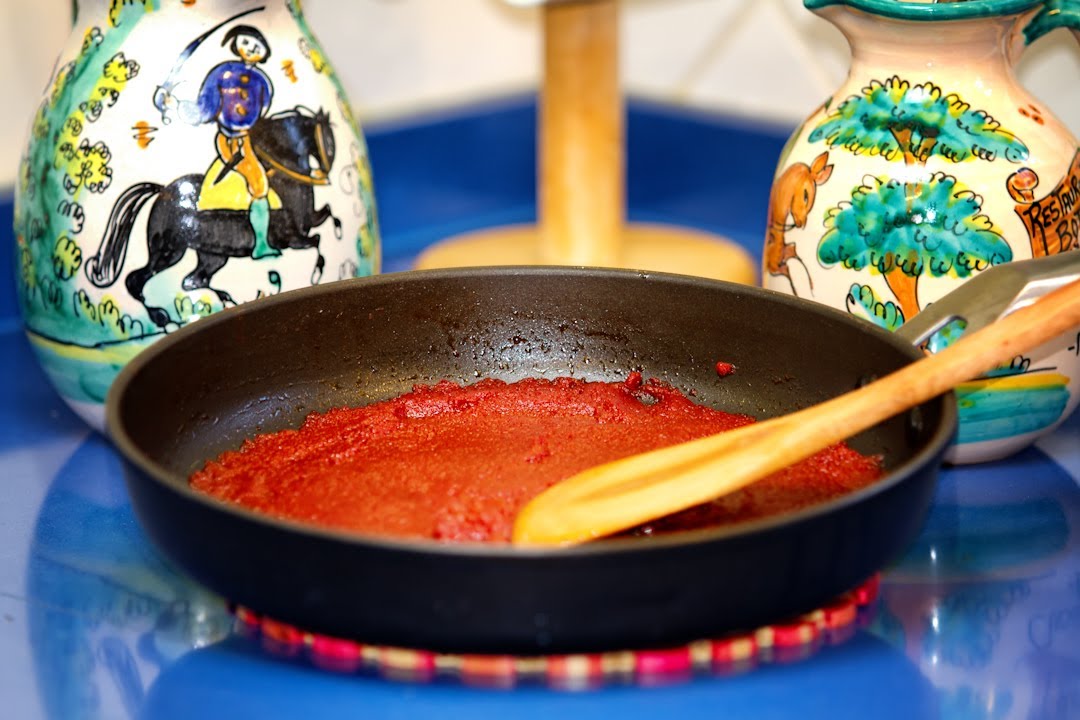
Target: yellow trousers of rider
{"x":248,"y":165}
{"x":239,"y":149}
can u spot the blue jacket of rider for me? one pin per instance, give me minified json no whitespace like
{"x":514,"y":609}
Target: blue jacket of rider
{"x":234,"y":94}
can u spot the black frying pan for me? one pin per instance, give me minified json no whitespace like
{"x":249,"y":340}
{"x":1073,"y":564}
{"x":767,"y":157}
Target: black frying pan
{"x":265,"y":365}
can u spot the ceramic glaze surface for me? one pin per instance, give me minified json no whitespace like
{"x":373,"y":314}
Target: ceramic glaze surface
{"x":186,"y":156}
{"x":929,"y":165}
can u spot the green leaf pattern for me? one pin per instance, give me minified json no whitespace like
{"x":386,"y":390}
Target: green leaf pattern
{"x":933,"y":227}
{"x":894,"y":118}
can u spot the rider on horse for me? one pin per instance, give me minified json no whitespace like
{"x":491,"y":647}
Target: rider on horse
{"x":235,"y":94}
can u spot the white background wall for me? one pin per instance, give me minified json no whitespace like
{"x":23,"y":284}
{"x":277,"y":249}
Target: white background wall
{"x":761,"y":58}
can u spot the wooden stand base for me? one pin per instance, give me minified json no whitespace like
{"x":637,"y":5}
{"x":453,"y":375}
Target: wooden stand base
{"x":643,"y":246}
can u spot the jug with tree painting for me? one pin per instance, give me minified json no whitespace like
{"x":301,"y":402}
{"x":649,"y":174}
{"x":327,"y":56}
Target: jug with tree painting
{"x":927,"y":166}
{"x":187,"y":156}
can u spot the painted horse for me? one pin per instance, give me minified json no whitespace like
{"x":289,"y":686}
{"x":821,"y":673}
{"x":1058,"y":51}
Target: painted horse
{"x":297,"y":149}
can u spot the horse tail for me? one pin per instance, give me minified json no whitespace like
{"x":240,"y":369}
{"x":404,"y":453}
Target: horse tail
{"x":104,"y":267}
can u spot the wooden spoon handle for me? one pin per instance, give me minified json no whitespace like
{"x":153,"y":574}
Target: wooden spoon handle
{"x":619,"y":495}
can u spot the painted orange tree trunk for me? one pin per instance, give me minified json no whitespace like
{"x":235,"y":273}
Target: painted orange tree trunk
{"x":906,"y":289}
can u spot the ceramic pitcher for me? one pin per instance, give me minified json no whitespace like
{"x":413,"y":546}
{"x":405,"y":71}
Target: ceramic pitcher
{"x":186,"y":157}
{"x":928,"y":165}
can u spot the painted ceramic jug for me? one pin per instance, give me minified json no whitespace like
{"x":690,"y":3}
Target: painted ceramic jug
{"x":927,"y":166}
{"x":187,"y":156}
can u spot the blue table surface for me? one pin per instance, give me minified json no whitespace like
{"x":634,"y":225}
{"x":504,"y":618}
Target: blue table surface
{"x":980,"y":619}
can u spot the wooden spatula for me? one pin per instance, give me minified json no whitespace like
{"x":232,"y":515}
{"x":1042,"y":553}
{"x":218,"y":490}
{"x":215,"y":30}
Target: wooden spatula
{"x":621,"y":494}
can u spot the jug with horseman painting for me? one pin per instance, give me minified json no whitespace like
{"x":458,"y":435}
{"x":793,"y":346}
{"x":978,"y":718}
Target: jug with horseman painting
{"x":927,"y":166}
{"x":186,"y":157}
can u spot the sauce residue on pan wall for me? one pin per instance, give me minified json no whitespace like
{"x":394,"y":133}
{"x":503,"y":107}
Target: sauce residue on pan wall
{"x":455,"y":463}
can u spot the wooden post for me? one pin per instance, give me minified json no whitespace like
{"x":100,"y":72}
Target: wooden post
{"x":581,"y":196}
{"x":581,"y":199}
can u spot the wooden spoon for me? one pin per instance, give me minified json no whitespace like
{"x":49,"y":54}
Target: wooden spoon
{"x":624,"y":493}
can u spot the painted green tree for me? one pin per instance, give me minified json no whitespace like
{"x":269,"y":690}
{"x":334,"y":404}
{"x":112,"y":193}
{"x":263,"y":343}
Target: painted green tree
{"x":927,"y":223}
{"x":896,"y":119}
{"x":937,"y":229}
{"x":62,"y":169}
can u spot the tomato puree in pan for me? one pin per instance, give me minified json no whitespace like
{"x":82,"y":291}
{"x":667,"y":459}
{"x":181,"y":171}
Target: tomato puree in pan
{"x":456,"y":463}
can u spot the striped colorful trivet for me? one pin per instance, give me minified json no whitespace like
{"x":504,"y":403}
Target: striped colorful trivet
{"x":776,"y":643}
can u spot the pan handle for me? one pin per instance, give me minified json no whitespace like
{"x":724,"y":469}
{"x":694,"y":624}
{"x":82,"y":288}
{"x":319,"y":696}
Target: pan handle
{"x":993,"y":294}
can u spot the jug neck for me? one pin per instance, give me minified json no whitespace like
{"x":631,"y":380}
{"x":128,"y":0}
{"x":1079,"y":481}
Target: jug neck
{"x":903,"y":46}
{"x":103,"y":12}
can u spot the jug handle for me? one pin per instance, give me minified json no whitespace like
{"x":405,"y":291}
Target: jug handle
{"x":1052,"y":15}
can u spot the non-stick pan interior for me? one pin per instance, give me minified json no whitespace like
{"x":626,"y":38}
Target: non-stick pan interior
{"x":266,"y":365}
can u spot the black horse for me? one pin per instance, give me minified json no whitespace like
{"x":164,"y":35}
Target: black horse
{"x":297,"y":149}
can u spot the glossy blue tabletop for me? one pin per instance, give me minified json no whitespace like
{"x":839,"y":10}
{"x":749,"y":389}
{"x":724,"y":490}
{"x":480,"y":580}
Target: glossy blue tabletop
{"x":980,"y":618}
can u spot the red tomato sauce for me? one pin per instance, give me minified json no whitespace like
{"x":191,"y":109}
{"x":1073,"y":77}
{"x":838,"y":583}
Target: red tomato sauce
{"x":456,"y":463}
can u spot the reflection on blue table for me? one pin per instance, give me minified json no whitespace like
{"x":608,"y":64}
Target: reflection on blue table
{"x":107,"y":611}
{"x":846,"y":681}
{"x":114,"y":626}
{"x":990,"y":592}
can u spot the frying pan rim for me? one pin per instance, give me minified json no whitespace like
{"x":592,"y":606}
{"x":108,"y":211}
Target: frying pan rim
{"x":116,"y":431}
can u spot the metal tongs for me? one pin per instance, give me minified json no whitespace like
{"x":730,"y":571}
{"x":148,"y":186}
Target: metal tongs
{"x":993,"y":294}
